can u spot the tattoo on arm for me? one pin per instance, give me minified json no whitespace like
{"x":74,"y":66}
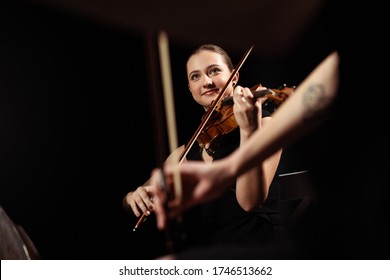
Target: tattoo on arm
{"x":314,"y":102}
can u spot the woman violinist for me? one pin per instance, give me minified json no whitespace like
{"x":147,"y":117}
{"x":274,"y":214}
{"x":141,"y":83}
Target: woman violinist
{"x":247,"y":215}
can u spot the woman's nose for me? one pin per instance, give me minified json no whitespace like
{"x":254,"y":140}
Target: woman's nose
{"x":207,"y":81}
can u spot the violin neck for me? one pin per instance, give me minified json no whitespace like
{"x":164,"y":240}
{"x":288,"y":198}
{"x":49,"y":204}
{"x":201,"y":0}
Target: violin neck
{"x":256,"y":94}
{"x":261,"y":93}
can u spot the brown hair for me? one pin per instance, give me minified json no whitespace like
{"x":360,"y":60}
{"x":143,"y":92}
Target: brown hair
{"x":216,"y":49}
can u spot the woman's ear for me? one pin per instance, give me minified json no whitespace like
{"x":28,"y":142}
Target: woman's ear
{"x":235,"y":79}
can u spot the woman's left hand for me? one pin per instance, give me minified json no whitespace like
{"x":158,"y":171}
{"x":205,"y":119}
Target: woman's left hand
{"x":247,"y":109}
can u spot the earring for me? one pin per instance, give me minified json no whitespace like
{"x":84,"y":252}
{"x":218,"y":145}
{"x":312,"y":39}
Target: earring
{"x":234,"y":84}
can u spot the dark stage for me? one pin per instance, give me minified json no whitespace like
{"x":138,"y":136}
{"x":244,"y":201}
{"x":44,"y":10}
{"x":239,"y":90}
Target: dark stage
{"x":78,"y":129}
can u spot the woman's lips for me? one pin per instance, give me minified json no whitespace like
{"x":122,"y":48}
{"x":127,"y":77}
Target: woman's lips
{"x":210,"y":92}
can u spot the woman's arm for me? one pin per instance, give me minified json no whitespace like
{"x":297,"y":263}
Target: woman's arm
{"x":252,"y":187}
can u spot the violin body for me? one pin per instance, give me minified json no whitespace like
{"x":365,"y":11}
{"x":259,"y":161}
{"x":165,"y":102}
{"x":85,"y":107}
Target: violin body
{"x":222,"y":121}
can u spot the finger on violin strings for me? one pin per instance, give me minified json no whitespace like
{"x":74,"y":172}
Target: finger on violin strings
{"x":238,"y":94}
{"x":248,"y":95}
{"x":243,"y":95}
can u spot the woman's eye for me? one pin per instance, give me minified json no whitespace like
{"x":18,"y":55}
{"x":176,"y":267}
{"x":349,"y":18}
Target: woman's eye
{"x":195,"y":77}
{"x":214,"y":70}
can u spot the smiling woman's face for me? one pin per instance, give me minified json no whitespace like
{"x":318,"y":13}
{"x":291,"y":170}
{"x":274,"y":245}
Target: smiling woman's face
{"x":207,"y":74}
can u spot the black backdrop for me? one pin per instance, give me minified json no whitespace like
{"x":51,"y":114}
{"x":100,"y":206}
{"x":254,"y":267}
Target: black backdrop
{"x":77,"y":130}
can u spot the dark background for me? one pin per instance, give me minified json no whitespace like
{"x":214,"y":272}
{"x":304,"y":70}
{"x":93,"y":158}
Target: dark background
{"x":77,"y":128}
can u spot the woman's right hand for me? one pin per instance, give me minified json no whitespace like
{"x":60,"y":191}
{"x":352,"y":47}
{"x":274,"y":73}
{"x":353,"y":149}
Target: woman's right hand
{"x":141,"y":201}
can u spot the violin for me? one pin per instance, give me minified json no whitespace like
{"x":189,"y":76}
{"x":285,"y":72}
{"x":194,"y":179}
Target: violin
{"x":222,"y":121}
